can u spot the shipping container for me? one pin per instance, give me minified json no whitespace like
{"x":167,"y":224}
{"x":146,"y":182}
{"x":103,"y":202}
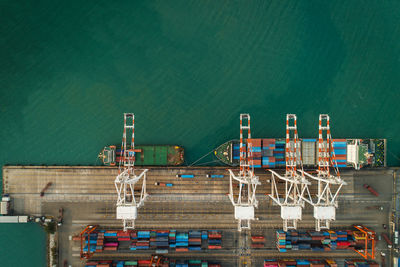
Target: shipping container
{"x":185,"y":175}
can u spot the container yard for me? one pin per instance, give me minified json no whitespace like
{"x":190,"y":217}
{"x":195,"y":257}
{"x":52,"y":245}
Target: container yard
{"x":307,"y":213}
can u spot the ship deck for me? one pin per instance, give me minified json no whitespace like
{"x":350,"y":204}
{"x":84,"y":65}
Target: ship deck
{"x":88,"y":196}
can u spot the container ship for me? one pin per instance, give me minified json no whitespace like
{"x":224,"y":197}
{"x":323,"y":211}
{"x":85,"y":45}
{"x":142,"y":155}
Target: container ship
{"x":270,"y":153}
{"x":146,"y":155}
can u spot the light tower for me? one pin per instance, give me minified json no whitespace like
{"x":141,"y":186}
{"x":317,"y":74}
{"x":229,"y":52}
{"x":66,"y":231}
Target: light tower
{"x":245,"y":201}
{"x":329,"y":184}
{"x":126,"y":179}
{"x":292,"y":201}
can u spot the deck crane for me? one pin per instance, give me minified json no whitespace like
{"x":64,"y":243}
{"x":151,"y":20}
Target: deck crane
{"x":126,"y":179}
{"x":329,"y":184}
{"x":245,"y":201}
{"x":296,"y":186}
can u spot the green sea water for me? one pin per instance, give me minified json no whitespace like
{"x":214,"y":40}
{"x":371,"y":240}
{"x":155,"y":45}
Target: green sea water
{"x":187,"y":69}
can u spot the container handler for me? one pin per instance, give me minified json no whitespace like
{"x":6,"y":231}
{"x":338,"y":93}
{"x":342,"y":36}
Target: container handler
{"x":370,"y":189}
{"x":45,"y":188}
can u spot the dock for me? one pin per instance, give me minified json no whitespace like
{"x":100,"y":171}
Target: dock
{"x":88,"y":196}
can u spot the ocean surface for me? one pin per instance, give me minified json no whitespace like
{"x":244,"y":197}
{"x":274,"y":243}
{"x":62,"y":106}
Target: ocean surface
{"x":187,"y":69}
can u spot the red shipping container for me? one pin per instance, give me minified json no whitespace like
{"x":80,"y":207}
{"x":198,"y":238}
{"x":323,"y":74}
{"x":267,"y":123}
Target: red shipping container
{"x":255,"y":142}
{"x":214,"y":236}
{"x":181,"y":249}
{"x":339,"y":140}
{"x":110,"y":248}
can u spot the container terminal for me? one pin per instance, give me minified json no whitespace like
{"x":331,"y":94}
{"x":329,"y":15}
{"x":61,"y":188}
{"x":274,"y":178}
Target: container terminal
{"x":165,"y":214}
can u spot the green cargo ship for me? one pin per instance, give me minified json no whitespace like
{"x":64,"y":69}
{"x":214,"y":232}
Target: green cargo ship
{"x":146,"y":155}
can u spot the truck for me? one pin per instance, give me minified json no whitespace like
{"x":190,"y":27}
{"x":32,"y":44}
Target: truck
{"x":163,"y":184}
{"x":215,"y":176}
{"x":185,"y":175}
{"x":375,"y":208}
{"x":60,"y":216}
{"x":370,"y":189}
{"x":389,"y":243}
{"x":45,"y":188}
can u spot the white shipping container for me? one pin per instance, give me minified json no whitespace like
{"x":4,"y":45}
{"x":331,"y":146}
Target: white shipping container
{"x":8,"y":219}
{"x":22,"y":219}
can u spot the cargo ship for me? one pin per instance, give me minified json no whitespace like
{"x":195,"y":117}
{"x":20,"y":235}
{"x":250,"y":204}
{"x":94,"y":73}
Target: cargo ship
{"x":270,"y":153}
{"x":146,"y":155}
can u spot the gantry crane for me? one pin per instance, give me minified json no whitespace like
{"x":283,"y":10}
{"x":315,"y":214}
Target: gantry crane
{"x":296,"y":186}
{"x":369,"y":237}
{"x":245,"y":201}
{"x":329,"y":184}
{"x":126,"y":179}
{"x":86,"y":232}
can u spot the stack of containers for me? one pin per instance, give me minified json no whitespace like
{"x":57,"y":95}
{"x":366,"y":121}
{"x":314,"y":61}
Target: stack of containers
{"x":133,"y":235}
{"x":161,"y":241}
{"x":144,"y":263}
{"x":99,"y":264}
{"x":111,"y":246}
{"x":194,"y":240}
{"x":172,"y":238}
{"x":130,"y":263}
{"x":271,"y":263}
{"x":316,"y":241}
{"x":360,"y":263}
{"x":256,"y":151}
{"x":257,"y":241}
{"x":317,"y":263}
{"x":281,"y":240}
{"x":90,"y":244}
{"x":359,"y":237}
{"x":236,"y":151}
{"x":326,"y":240}
{"x":100,"y":241}
{"x":143,"y":241}
{"x":340,"y":147}
{"x":123,"y":236}
{"x":279,"y":153}
{"x":302,"y":263}
{"x":110,"y":242}
{"x":331,"y":263}
{"x":214,"y":239}
{"x":204,"y":235}
{"x":299,"y":262}
{"x":182,"y":241}
{"x":268,"y":158}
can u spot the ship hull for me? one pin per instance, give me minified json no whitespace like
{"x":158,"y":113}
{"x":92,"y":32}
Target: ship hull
{"x":270,"y":152}
{"x":149,"y":155}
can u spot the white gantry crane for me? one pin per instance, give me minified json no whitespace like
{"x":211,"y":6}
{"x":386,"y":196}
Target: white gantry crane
{"x":245,"y":201}
{"x":329,"y":184}
{"x":128,"y":203}
{"x":296,"y":186}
